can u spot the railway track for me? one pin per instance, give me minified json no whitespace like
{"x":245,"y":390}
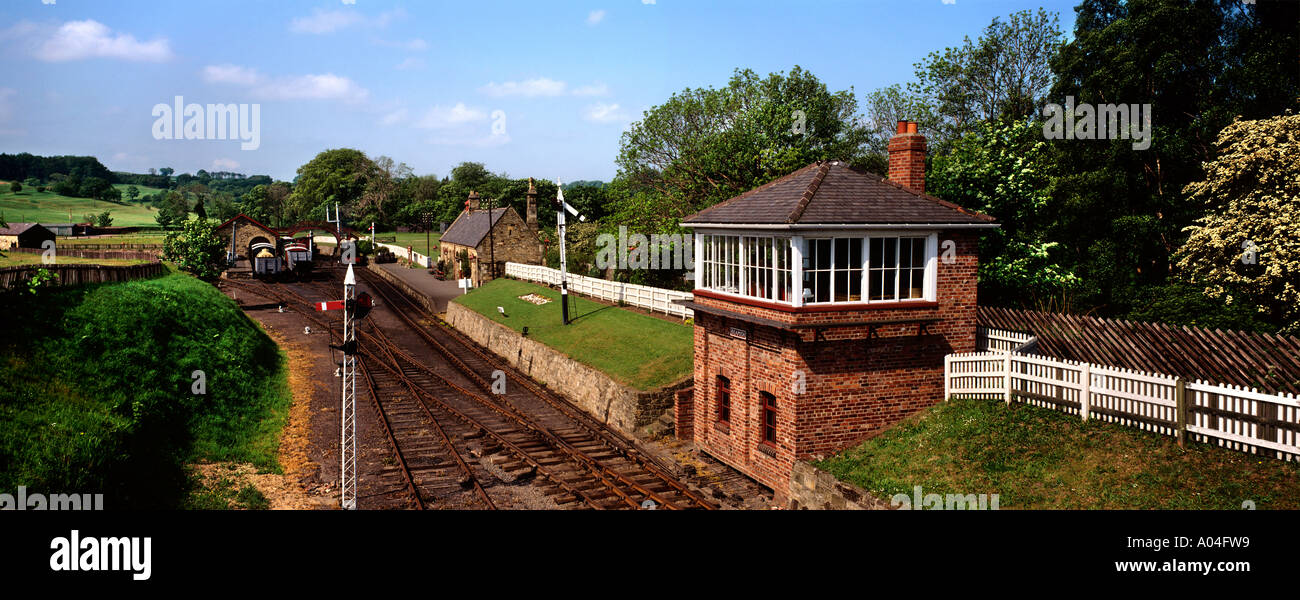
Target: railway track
{"x":528,"y":433}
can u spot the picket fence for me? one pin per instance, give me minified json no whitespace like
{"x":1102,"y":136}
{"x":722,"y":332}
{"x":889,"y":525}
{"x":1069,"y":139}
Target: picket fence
{"x":1235,"y":417}
{"x":650,"y":298}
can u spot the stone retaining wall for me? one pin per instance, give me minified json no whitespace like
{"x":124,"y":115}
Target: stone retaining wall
{"x":814,"y":489}
{"x":617,"y":405}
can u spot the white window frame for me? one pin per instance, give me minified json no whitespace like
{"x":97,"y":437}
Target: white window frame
{"x":799,"y":244}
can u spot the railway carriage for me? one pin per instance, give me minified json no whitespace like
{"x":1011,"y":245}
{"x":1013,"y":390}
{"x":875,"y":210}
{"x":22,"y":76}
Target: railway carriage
{"x":298,"y":258}
{"x":265,"y":261}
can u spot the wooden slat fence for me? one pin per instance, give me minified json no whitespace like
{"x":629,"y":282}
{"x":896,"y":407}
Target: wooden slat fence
{"x":1235,"y":417}
{"x":1262,"y":361}
{"x":650,"y":298}
{"x":80,"y":274}
{"x":81,"y":252}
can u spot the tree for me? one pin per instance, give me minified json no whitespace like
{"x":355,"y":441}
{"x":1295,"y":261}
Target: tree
{"x":133,"y":192}
{"x":705,"y":145}
{"x":1245,"y":250}
{"x":195,"y":248}
{"x":1004,"y":73}
{"x":1004,"y":170}
{"x":340,"y":175}
{"x":173,"y":210}
{"x":166,"y":171}
{"x":1120,"y":213}
{"x":105,"y":219}
{"x":15,"y":187}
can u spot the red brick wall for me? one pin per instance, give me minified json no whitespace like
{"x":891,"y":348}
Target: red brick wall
{"x":853,"y":385}
{"x":684,"y":413}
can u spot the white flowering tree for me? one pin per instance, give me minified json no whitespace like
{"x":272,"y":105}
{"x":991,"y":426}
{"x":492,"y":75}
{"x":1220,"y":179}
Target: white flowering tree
{"x":1246,"y":249}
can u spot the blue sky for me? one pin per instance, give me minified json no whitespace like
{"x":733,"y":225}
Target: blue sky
{"x":422,"y":82}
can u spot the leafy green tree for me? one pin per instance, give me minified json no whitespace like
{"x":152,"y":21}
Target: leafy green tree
{"x":340,"y":175}
{"x":195,"y":248}
{"x":132,"y":192}
{"x":1004,"y":170}
{"x":15,"y":187}
{"x":1119,"y":212}
{"x":1006,"y":72}
{"x":105,"y":219}
{"x":1245,"y":250}
{"x":172,"y":210}
{"x":705,"y":145}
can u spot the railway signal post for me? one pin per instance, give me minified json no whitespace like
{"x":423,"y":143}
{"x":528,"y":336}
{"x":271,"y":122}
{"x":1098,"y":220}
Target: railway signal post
{"x":560,"y":207}
{"x":355,"y":307}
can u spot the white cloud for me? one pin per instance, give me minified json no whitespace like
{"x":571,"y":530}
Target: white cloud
{"x":647,"y":1}
{"x":440,"y":117}
{"x":231,"y":74}
{"x":595,"y":17}
{"x":393,"y":118}
{"x":325,"y":21}
{"x":944,"y":1}
{"x":412,"y":45}
{"x":329,"y":21}
{"x":327,"y":86}
{"x":540,"y":86}
{"x":76,"y":40}
{"x":410,"y":63}
{"x":604,"y":113}
{"x":224,"y":164}
{"x":595,"y":89}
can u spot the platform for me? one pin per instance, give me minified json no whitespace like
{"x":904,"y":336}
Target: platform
{"x":439,"y":292}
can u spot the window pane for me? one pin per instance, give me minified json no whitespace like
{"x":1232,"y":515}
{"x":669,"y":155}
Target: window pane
{"x":841,"y":286}
{"x":918,"y":283}
{"x":822,"y":259}
{"x":890,"y":255}
{"x":842,"y":253}
{"x":877,"y":252}
{"x":889,"y":292}
{"x":918,"y":252}
{"x":823,"y":287}
{"x":874,"y":285}
{"x":855,"y":285}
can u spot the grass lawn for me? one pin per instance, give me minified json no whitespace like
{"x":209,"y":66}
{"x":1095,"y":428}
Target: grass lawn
{"x":1037,"y":458}
{"x":146,"y":237}
{"x":635,"y":349}
{"x":415,"y":241}
{"x":16,"y":259}
{"x":31,"y":206}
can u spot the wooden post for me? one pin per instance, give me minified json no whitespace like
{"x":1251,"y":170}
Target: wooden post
{"x":1006,"y":380}
{"x":947,"y":377}
{"x":1180,"y":402}
{"x":1085,"y":391}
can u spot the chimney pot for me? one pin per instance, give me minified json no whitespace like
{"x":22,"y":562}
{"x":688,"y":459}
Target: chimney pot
{"x":911,"y":126}
{"x":902,"y":127}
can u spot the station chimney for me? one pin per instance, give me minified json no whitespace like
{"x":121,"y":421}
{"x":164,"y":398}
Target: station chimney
{"x":907,"y":157}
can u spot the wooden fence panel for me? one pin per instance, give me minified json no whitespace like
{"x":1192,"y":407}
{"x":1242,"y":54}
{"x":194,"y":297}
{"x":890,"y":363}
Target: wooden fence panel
{"x":1243,"y":419}
{"x":650,"y":298}
{"x":71,"y":275}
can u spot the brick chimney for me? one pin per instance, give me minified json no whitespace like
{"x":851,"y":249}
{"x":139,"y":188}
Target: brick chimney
{"x":472,"y":203}
{"x":531,"y":218}
{"x":907,"y":157}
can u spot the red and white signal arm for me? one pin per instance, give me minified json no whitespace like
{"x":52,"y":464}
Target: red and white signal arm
{"x":362,"y":304}
{"x":331,"y":305}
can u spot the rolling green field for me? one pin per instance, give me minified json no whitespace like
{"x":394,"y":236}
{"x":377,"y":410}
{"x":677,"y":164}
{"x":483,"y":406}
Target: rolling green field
{"x":415,"y":241}
{"x":31,"y":206}
{"x":637,"y":350}
{"x":1037,"y":458}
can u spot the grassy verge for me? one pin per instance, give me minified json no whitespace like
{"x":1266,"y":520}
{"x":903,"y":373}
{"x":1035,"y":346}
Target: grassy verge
{"x":635,"y":349}
{"x":98,"y":394}
{"x":1042,"y":459}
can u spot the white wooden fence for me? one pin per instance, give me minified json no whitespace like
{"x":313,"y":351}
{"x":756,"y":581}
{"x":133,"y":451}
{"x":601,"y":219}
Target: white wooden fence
{"x":650,"y":298}
{"x":1230,"y":416}
{"x":1003,"y":340}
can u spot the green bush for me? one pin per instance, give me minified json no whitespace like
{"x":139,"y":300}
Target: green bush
{"x":96,"y":389}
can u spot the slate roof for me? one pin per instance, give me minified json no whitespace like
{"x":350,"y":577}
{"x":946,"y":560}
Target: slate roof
{"x":471,"y":227}
{"x":18,"y":228}
{"x":830,"y":192}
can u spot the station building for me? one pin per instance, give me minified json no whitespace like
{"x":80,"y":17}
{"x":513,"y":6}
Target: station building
{"x":825,"y":302}
{"x":488,"y":234}
{"x":241,"y":231}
